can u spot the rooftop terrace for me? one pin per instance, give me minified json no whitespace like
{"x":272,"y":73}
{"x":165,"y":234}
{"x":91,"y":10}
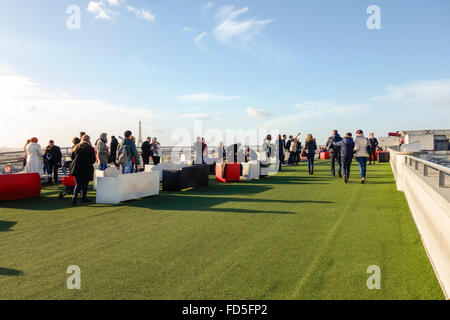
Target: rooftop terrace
{"x":289,"y":236}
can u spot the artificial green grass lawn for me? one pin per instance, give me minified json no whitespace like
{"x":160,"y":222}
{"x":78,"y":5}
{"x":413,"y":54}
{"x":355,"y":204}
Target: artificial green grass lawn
{"x":289,"y":236}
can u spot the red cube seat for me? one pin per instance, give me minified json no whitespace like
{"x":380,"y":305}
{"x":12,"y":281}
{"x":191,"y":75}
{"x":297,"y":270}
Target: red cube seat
{"x":232,"y":172}
{"x":324,"y":155}
{"x":20,"y":186}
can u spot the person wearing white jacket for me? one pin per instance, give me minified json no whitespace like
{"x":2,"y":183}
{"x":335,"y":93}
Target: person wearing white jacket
{"x":362,"y":153}
{"x":34,"y":157}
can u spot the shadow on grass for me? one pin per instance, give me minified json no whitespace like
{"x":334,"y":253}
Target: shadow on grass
{"x":6,"y":225}
{"x":10,"y":272}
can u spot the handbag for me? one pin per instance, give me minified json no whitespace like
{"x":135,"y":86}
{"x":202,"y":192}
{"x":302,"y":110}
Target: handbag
{"x":303,"y":153}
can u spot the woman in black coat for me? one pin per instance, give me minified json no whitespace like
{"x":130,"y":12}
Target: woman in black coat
{"x":82,"y":168}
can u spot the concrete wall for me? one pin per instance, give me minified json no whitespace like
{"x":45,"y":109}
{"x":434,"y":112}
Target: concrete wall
{"x":431,"y":212}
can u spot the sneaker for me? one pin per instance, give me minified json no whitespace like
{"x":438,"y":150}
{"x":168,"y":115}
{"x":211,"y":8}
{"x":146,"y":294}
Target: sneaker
{"x":340,"y":175}
{"x":363,"y":180}
{"x":345,"y":179}
{"x":85,"y":200}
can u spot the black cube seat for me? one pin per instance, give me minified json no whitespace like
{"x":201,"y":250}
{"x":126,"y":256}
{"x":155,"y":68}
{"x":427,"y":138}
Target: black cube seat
{"x":188,"y":177}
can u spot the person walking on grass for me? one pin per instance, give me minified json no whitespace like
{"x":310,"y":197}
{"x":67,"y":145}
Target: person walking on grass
{"x":335,"y":152}
{"x":82,"y":168}
{"x":102,"y":151}
{"x":310,"y":152}
{"x":347,"y":149}
{"x":362,"y":146}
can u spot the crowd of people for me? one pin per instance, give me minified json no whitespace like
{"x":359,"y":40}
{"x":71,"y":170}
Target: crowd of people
{"x":124,"y":155}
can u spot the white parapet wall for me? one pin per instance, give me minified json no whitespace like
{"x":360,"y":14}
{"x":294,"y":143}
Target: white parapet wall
{"x":430,"y":208}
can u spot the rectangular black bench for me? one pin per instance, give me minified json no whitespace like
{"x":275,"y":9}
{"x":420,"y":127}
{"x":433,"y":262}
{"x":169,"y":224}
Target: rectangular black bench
{"x":189,"y":177}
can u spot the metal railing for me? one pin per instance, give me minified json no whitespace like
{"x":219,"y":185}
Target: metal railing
{"x":16,"y":157}
{"x":415,"y":163}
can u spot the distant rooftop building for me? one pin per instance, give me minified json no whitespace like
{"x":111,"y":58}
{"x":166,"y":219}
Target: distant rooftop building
{"x":426,"y":140}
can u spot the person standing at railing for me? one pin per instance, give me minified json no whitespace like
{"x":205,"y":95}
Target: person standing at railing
{"x":145,"y":150}
{"x":362,"y":146}
{"x":374,"y":145}
{"x":54,"y":158}
{"x":34,"y":157}
{"x":155,"y":148}
{"x":25,"y":152}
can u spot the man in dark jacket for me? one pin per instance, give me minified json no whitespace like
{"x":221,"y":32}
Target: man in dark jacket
{"x":145,"y":149}
{"x":113,"y":150}
{"x":347,"y":146}
{"x":288,"y":148}
{"x":82,"y":168}
{"x":281,"y":148}
{"x":54,"y":157}
{"x":373,"y":144}
{"x":335,"y":152}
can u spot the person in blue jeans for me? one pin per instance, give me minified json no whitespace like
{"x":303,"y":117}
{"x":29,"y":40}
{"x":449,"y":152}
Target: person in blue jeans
{"x":362,"y":153}
{"x":335,"y":152}
{"x":346,"y":147}
{"x":310,"y":150}
{"x":130,"y":146}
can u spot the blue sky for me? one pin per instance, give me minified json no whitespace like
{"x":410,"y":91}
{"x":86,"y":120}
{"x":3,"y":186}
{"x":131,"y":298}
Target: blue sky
{"x":308,"y":66}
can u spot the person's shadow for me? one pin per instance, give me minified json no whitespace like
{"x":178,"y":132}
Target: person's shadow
{"x":6,"y":225}
{"x":10,"y":272}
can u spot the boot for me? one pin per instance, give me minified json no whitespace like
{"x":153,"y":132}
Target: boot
{"x":340,"y":174}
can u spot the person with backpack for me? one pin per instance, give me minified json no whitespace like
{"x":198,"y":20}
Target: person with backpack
{"x":346,"y":146}
{"x":102,"y":151}
{"x":82,"y":168}
{"x":54,"y":157}
{"x":335,"y":153}
{"x":310,"y":152}
{"x":362,"y":148}
{"x":126,"y":153}
{"x":374,"y":145}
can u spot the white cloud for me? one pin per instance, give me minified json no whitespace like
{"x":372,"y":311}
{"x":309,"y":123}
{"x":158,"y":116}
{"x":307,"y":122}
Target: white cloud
{"x":187,"y":29}
{"x":257,"y":113}
{"x":206,"y":97}
{"x":198,"y":116}
{"x":142,"y":13}
{"x":199,"y":42}
{"x":318,"y":111}
{"x":114,"y":3}
{"x":433,"y":93}
{"x":207,"y":6}
{"x":231,"y":31}
{"x":56,"y":115}
{"x":101,"y":11}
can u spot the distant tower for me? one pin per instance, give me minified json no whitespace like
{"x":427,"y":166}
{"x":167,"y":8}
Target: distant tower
{"x":140,"y":134}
